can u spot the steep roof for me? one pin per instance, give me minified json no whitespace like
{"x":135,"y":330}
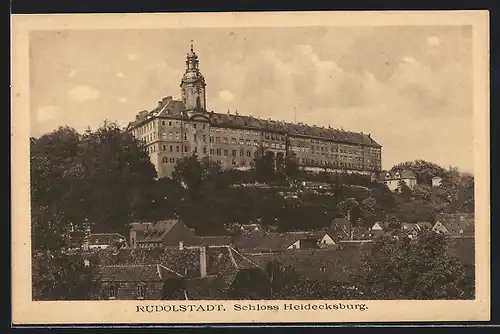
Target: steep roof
{"x":136,"y":273}
{"x":153,"y":232}
{"x":275,"y":241}
{"x":169,"y":108}
{"x":105,"y":238}
{"x":222,"y":240}
{"x":336,"y":265}
{"x":457,"y":224}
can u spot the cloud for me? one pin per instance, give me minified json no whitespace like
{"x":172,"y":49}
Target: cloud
{"x":132,"y":57}
{"x":120,"y":74}
{"x":83,"y":93}
{"x":46,"y":113}
{"x":434,"y":40}
{"x":72,"y":73}
{"x":123,"y":99}
{"x":409,"y":60}
{"x":226,"y":95}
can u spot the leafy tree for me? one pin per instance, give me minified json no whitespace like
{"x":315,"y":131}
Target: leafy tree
{"x":104,"y":175}
{"x":404,"y":190}
{"x":264,"y":165}
{"x":415,"y":211}
{"x":421,"y":269}
{"x":62,"y":276}
{"x":422,"y":192}
{"x":369,"y":211}
{"x":192,"y":172}
{"x":349,"y":207}
{"x":292,"y":166}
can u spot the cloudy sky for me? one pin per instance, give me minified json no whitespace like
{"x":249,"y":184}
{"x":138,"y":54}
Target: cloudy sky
{"x":410,"y":87}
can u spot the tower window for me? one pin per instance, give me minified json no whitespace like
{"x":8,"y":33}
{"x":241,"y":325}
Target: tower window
{"x":169,"y":123}
{"x":194,"y":137}
{"x":177,"y":148}
{"x":204,"y":138}
{"x":225,"y":152}
{"x":170,"y":148}
{"x":185,"y":148}
{"x":194,"y":125}
{"x":163,"y":123}
{"x":204,"y":150}
{"x":234,"y":153}
{"x":164,"y":147}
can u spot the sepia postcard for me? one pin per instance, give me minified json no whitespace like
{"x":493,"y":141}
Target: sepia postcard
{"x":236,"y":168}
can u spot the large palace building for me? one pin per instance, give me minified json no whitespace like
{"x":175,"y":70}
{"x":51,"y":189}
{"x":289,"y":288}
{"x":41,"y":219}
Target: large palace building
{"x":175,"y":129}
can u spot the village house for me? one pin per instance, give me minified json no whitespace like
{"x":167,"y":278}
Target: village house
{"x":273,"y":241}
{"x":379,"y":228}
{"x":104,"y":241}
{"x":457,"y":224}
{"x":393,"y":179}
{"x":161,"y":234}
{"x":140,"y":281}
{"x":336,"y":265}
{"x":436,"y":181}
{"x":414,"y":229}
{"x":212,"y":272}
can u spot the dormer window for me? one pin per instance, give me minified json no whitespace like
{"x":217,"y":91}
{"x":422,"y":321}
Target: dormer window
{"x":387,"y":176}
{"x":398,"y":175}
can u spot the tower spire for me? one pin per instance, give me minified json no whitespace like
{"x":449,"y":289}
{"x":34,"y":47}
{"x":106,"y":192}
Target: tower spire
{"x":192,"y":50}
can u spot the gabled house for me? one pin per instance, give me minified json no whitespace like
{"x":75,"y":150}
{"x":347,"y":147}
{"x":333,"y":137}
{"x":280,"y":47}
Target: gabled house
{"x":436,"y":181}
{"x":161,"y":234}
{"x":272,"y":241}
{"x":141,"y":281}
{"x":378,"y":229}
{"x":333,"y":265}
{"x":104,"y":240}
{"x":414,"y":229}
{"x":231,"y":276}
{"x":392,"y":179}
{"x":459,"y":224}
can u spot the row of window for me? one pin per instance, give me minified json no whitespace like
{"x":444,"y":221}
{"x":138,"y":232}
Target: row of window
{"x":111,"y":291}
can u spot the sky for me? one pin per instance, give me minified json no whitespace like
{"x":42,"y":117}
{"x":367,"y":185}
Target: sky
{"x":410,"y":87}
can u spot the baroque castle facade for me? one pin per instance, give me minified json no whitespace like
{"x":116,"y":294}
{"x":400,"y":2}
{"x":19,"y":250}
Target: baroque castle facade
{"x":176,"y":129}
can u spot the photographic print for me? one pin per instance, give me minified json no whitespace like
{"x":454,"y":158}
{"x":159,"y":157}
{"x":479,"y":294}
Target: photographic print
{"x":250,"y":167}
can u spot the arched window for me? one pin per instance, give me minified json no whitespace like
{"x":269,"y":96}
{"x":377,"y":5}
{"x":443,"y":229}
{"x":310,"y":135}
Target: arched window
{"x":198,"y":102}
{"x":111,"y":291}
{"x":141,"y":291}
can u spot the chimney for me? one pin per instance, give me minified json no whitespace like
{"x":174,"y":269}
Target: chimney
{"x":181,"y":245}
{"x":203,"y":261}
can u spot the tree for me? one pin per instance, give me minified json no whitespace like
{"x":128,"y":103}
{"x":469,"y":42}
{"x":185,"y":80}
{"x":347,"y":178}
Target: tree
{"x":104,"y":175}
{"x":192,"y":172}
{"x":263,"y":165}
{"x":421,"y":269}
{"x":404,"y":190}
{"x":422,"y":192}
{"x":416,"y":211}
{"x":369,"y":211}
{"x":292,"y":166}
{"x":62,"y":276}
{"x":349,"y":207}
